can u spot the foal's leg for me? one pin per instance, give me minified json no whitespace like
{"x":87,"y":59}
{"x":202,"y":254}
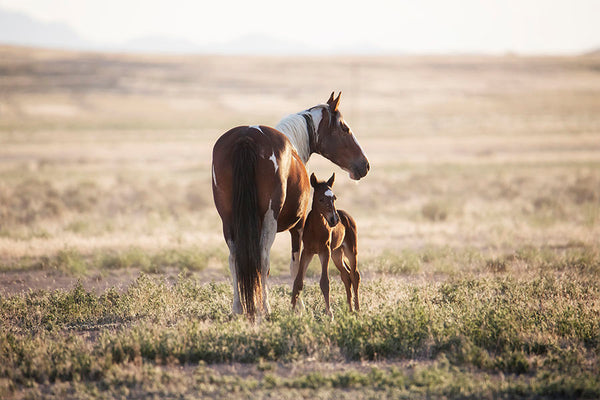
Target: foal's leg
{"x":351,"y":253}
{"x":237,"y":305}
{"x":337,"y":256}
{"x":305,"y":259}
{"x":324,"y":256}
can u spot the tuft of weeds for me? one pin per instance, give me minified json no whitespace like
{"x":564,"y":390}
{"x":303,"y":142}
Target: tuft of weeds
{"x":136,"y":258}
{"x":391,"y":262}
{"x":435,"y":211}
{"x":71,"y":261}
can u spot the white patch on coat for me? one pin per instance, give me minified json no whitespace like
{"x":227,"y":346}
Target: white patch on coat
{"x":269,"y":230}
{"x":214,"y":176}
{"x":317,"y":115}
{"x":256,"y":127}
{"x":237,"y":305}
{"x":294,"y":127}
{"x":274,"y":159}
{"x":294,"y":266}
{"x":328,"y":193}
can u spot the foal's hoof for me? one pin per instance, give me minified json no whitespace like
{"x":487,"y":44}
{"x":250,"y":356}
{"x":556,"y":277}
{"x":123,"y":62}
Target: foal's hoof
{"x":298,"y":307}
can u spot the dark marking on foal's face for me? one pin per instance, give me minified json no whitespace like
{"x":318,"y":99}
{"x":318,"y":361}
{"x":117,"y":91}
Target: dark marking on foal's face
{"x":324,"y":200}
{"x":338,"y":143}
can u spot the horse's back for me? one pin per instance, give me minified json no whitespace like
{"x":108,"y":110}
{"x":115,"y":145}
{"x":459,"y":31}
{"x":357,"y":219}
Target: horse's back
{"x":280,"y":177}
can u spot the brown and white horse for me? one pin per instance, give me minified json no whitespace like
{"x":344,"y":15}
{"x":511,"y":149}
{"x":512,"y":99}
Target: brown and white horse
{"x":329,"y":233}
{"x":261,"y":187}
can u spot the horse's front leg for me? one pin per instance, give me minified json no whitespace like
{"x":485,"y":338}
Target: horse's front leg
{"x":324,"y":257}
{"x":305,"y":259}
{"x":296,"y":235}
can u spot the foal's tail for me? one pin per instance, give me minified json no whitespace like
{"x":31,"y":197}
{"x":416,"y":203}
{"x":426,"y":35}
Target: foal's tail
{"x":246,"y":226}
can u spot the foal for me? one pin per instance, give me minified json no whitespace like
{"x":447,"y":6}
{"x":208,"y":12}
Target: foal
{"x":329,"y":233}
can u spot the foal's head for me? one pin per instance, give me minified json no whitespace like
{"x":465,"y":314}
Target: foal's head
{"x":324,"y":200}
{"x":336,"y":141}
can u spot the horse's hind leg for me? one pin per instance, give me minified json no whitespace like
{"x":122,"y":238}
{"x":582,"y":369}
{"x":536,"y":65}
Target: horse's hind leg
{"x":237,"y":305}
{"x":351,"y":253}
{"x":337,"y":256}
{"x":269,"y":230}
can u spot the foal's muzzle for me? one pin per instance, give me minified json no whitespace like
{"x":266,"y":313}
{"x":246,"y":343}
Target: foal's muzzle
{"x":333,"y":220}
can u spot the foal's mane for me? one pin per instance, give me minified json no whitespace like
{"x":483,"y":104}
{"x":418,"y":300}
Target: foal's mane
{"x":294,"y":126}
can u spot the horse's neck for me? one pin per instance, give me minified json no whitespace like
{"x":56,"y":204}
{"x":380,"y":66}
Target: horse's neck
{"x":295,"y":128}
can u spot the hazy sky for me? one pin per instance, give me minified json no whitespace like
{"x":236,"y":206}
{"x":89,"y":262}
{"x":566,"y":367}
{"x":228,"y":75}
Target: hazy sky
{"x":524,"y":26}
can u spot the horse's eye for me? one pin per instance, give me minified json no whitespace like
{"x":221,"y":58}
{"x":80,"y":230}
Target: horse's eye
{"x":334,"y":197}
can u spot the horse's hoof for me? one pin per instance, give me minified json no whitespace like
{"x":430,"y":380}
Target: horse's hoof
{"x":237,"y":309}
{"x":301,"y":305}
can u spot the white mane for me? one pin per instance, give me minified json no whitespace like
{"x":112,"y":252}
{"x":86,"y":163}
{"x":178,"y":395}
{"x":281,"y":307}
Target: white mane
{"x":294,"y":127}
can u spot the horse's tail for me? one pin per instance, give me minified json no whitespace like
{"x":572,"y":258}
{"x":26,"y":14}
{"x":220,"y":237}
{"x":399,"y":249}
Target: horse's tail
{"x":246,"y":226}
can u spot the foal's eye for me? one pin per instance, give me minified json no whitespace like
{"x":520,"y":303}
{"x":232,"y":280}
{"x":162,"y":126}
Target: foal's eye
{"x":334,"y":197}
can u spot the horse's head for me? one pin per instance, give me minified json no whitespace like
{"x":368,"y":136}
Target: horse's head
{"x":324,"y":200}
{"x":336,"y":141}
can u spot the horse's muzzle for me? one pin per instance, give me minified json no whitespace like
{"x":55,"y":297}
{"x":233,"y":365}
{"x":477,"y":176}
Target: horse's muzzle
{"x":360,"y":169}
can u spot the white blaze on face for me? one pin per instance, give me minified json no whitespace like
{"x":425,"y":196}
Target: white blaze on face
{"x":328,"y":193}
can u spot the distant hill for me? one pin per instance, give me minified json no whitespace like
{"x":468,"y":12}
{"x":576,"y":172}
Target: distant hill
{"x":17,"y":28}
{"x":595,"y":52}
{"x":20,"y":29}
{"x":160,"y":44}
{"x":247,"y":44}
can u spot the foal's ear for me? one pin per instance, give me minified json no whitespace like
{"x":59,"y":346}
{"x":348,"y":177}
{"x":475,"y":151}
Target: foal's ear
{"x":331,"y":180}
{"x":313,"y":180}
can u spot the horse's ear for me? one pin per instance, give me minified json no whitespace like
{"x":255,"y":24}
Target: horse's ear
{"x":313,"y":180}
{"x":336,"y":103}
{"x":330,"y":101}
{"x":331,"y":180}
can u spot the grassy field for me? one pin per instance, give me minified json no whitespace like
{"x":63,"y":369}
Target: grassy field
{"x":479,"y":229}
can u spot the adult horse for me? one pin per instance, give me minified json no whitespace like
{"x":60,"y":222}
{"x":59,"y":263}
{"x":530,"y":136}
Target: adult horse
{"x":261,"y":187}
